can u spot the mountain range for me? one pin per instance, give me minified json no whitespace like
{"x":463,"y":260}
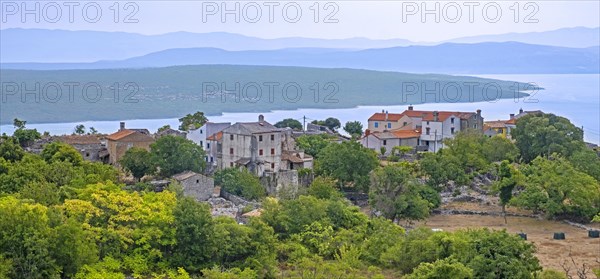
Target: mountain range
{"x":453,"y":58}
{"x":62,"y":46}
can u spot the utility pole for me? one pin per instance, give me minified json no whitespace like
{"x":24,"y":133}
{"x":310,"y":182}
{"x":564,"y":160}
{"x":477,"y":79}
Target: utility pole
{"x":435,"y":141}
{"x":304,"y":124}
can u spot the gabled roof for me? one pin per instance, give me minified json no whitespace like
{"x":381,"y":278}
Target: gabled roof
{"x":184,"y":175}
{"x":396,"y":134}
{"x":249,"y":128}
{"x":79,"y":139}
{"x":120,"y":134}
{"x":381,"y":116}
{"x":496,"y":124}
{"x":425,"y":115}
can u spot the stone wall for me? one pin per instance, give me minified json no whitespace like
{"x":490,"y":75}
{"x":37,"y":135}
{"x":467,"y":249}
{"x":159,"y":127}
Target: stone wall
{"x":198,"y":186}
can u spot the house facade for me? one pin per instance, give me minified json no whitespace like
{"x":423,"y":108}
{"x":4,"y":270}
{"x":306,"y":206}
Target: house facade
{"x":118,"y":143}
{"x":434,"y":126}
{"x":201,"y":136}
{"x":196,"y":185}
{"x":391,"y":139}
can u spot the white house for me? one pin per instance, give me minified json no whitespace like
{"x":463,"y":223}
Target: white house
{"x":200,"y":135}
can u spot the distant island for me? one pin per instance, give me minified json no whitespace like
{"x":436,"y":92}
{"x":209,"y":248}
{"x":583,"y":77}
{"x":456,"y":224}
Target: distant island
{"x":151,"y":93}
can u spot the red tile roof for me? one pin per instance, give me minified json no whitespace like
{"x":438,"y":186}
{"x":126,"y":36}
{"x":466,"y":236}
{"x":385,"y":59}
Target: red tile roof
{"x":406,"y":134}
{"x":80,"y":139}
{"x":381,"y":116}
{"x":217,"y":136}
{"x":426,"y":115}
{"x":120,"y":134}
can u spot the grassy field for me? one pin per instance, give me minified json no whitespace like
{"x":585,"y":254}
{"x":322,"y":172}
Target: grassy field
{"x":577,"y":247}
{"x":151,"y":93}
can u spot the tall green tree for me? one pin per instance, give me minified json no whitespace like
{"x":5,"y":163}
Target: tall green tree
{"x":138,"y":161}
{"x":289,"y":122}
{"x":195,"y":231}
{"x":174,"y":154}
{"x":79,"y":129}
{"x":544,"y":134}
{"x":354,"y":128}
{"x":10,"y":149}
{"x":348,"y":162}
{"x":192,"y":121}
{"x":395,"y":193}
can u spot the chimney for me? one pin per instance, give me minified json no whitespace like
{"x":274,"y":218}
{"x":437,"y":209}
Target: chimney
{"x":435,"y":116}
{"x":512,"y":116}
{"x":367,"y":132}
{"x":410,"y":107}
{"x":521,"y":110}
{"x":386,"y":115}
{"x":261,"y":118}
{"x":479,"y":113}
{"x":382,"y":111}
{"x":121,"y":126}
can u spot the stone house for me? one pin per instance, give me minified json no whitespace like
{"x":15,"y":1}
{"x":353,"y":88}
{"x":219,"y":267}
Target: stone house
{"x":390,"y":139}
{"x":118,"y":143}
{"x":196,"y":185}
{"x":91,"y":147}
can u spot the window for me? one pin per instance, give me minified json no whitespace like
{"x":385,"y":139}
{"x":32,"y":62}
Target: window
{"x":230,"y":137}
{"x":272,"y":137}
{"x":260,"y":138}
{"x":427,"y":122}
{"x":207,"y":145}
{"x":201,"y":143}
{"x":197,"y":181}
{"x":212,"y":159}
{"x":452,"y":120}
{"x":272,"y":151}
{"x":452,"y":130}
{"x":272,"y":166}
{"x":384,"y":142}
{"x":404,"y":124}
{"x":260,"y":152}
{"x":231,"y":164}
{"x":389,"y":125}
{"x":200,"y":131}
{"x":427,"y":131}
{"x":475,"y":126}
{"x":231,"y":150}
{"x":87,"y":154}
{"x":376,"y":124}
{"x":206,"y":158}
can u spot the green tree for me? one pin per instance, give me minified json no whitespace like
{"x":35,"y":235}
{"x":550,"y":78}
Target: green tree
{"x":324,"y":188}
{"x":497,"y":149}
{"x":587,"y":160}
{"x":446,"y":268}
{"x":164,"y":128}
{"x":353,"y":128}
{"x":174,"y":154}
{"x":79,"y":129}
{"x":195,"y":235}
{"x":558,"y":189}
{"x":544,"y":134}
{"x":138,"y":161}
{"x":395,"y":193}
{"x":26,"y":137}
{"x":331,"y":123}
{"x":58,"y":151}
{"x":240,"y":182}
{"x":313,"y":144}
{"x":440,"y":168}
{"x":10,"y":149}
{"x":508,"y":180}
{"x":25,"y":239}
{"x":348,"y":162}
{"x":289,"y":122}
{"x":19,"y":124}
{"x":73,"y":247}
{"x":192,"y":121}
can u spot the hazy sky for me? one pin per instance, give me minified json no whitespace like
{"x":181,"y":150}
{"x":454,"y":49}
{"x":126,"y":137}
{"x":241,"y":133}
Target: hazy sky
{"x":336,"y":19}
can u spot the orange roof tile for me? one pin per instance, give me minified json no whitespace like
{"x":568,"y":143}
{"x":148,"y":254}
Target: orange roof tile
{"x":217,"y":136}
{"x":381,"y":116}
{"x":406,"y":134}
{"x":120,"y":134}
